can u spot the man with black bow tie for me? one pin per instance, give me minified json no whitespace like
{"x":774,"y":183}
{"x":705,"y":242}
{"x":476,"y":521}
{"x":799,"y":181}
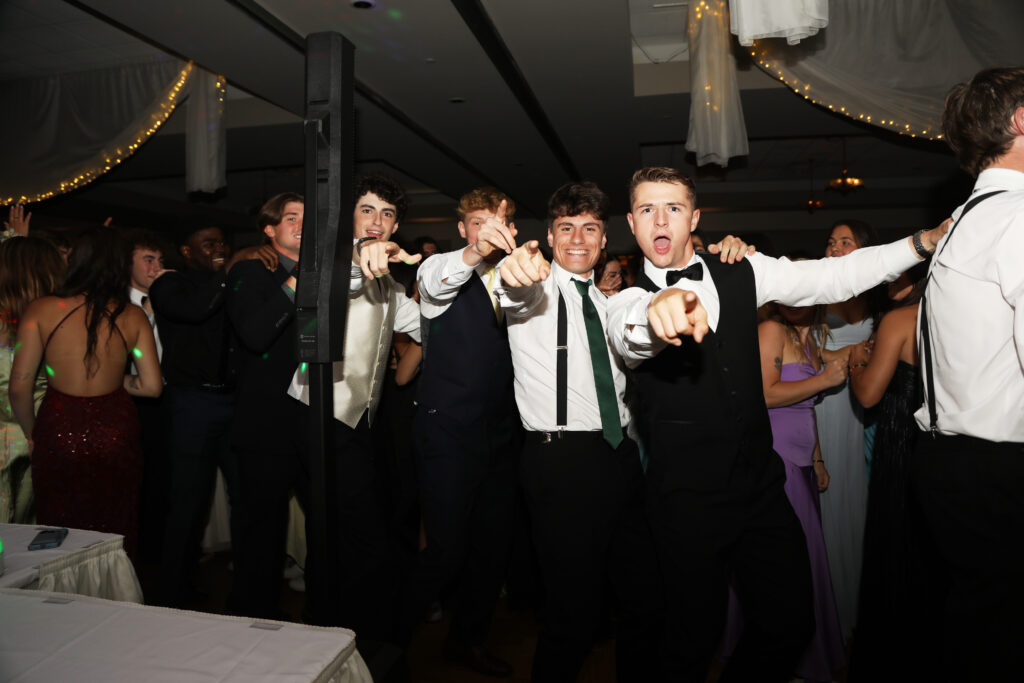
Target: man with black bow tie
{"x":581,"y":473}
{"x":716,"y":502}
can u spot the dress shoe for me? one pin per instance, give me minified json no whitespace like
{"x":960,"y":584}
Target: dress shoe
{"x":476,"y":657}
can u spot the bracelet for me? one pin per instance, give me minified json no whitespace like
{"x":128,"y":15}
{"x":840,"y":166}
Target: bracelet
{"x":359,"y":244}
{"x":919,"y":245}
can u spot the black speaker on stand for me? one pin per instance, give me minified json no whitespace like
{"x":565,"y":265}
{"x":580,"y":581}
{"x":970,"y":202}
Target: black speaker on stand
{"x":321,"y":296}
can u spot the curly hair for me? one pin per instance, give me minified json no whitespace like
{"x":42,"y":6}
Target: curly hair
{"x":385,"y":187}
{"x":485,"y":199}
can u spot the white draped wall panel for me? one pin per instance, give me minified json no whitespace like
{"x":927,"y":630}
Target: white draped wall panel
{"x":891,"y":63}
{"x":61,"y":132}
{"x":205,"y":137}
{"x":717,"y":130}
{"x":793,"y":20}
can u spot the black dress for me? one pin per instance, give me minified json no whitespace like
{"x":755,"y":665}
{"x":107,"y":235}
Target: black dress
{"x":896,"y":596}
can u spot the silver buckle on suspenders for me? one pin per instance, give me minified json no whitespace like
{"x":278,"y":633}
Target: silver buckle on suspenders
{"x":548,"y":437}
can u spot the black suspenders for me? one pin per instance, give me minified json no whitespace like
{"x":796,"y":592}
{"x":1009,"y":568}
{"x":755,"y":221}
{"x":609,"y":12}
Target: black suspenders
{"x":926,"y":344}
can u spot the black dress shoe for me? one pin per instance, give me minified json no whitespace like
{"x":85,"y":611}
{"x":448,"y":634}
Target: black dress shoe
{"x":476,"y":657}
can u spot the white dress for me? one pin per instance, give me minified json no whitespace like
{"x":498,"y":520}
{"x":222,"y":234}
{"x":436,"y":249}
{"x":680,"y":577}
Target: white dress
{"x":844,"y":504}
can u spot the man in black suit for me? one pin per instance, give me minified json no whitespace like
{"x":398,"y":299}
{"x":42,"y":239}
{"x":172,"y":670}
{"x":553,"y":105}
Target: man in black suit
{"x":716,"y":502}
{"x":199,"y":399}
{"x":268,"y":431}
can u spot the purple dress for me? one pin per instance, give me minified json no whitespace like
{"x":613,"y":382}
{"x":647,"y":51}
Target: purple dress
{"x":793,"y":434}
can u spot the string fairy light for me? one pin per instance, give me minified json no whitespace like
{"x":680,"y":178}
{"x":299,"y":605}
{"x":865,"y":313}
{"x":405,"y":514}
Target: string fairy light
{"x":83,"y":177}
{"x":804,"y":90}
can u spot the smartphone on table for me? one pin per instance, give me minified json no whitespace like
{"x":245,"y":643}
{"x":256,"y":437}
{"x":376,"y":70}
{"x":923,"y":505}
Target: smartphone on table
{"x":48,"y":538}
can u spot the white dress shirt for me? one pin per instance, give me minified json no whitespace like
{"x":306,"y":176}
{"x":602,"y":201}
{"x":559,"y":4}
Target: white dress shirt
{"x":975,"y":307}
{"x":136,"y":296}
{"x":441,"y":277}
{"x":532,"y":316}
{"x":794,"y":283}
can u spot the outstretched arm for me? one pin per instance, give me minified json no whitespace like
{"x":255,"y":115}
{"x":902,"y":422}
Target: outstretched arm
{"x":830,"y":280}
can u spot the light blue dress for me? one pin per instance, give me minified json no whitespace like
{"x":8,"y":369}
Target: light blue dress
{"x":844,"y":504}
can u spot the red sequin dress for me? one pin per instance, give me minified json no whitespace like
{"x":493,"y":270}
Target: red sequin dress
{"x":87,"y":462}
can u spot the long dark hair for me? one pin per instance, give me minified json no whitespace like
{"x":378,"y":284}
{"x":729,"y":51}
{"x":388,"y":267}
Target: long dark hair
{"x":99,"y":269}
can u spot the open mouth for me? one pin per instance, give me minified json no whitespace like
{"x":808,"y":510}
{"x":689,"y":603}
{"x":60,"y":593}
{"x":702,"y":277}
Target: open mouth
{"x":376,"y":234}
{"x":662,"y":244}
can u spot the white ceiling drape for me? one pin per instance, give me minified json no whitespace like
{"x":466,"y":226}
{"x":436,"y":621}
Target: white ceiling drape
{"x":717,"y":130}
{"x":793,"y":20}
{"x":62,"y":132}
{"x":891,"y":64}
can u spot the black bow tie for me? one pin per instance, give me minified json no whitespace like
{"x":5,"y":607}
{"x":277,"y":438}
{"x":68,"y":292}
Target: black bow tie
{"x":694,"y":271}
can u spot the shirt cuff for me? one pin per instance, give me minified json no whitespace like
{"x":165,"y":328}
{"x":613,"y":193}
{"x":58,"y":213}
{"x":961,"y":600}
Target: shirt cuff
{"x":899,"y":257}
{"x":636,"y":314}
{"x":455,"y":270}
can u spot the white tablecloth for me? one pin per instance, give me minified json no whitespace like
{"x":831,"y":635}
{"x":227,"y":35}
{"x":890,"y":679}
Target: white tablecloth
{"x":86,"y":563}
{"x":49,"y":637}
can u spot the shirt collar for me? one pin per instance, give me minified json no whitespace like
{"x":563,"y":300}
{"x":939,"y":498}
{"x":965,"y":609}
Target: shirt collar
{"x":657,"y":275}
{"x":999,"y":179}
{"x":286,"y":262}
{"x":564,"y":278}
{"x":136,"y":295}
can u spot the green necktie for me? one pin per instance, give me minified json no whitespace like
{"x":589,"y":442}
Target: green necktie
{"x":606,"y":401}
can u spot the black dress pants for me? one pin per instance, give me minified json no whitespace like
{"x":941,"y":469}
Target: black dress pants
{"x":365,"y":582}
{"x":199,"y":422}
{"x":467,"y":476}
{"x":585,"y":501}
{"x":742,"y":528}
{"x":272,"y":464}
{"x":972,"y":495}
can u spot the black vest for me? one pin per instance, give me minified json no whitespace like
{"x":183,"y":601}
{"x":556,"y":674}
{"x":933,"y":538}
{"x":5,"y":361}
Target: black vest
{"x":467,"y":366}
{"x":700,"y":407}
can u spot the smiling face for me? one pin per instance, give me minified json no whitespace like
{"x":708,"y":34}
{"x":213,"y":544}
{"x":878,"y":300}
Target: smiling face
{"x":286,"y":236}
{"x":206,"y":249}
{"x":841,"y":241}
{"x":374,"y":217}
{"x":662,"y":219}
{"x":576,"y":242}
{"x":146,"y":263}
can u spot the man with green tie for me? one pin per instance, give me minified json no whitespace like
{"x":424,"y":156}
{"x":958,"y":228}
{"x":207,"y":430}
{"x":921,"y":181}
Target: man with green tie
{"x":581,"y":472}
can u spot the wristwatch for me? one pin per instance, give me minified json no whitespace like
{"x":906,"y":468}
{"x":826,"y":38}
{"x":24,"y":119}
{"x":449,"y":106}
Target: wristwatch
{"x":919,"y":245}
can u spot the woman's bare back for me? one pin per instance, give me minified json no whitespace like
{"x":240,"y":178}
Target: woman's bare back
{"x":63,"y":332}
